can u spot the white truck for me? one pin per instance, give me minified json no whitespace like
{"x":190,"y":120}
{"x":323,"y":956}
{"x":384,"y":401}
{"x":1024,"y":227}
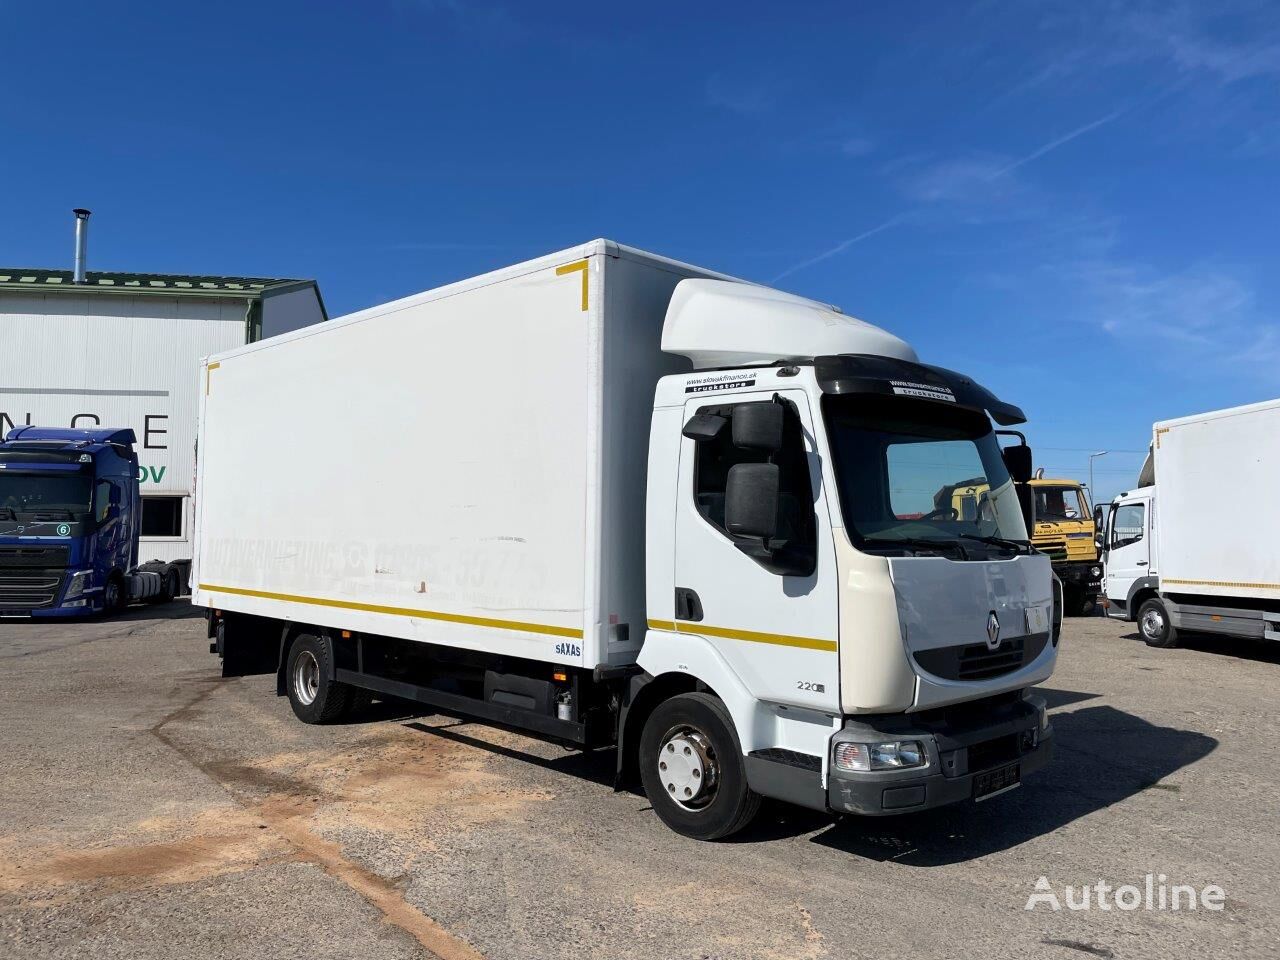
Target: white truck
{"x":1193,"y":547}
{"x":617,"y":500}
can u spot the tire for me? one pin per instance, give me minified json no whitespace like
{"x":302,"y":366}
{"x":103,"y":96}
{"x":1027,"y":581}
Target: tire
{"x":169,"y":592}
{"x":696,"y":731}
{"x":1154,"y":624}
{"x":114,"y":597}
{"x":1079,"y":604}
{"x":314,"y":697}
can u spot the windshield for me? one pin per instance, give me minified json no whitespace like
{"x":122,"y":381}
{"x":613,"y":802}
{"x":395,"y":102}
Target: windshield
{"x":39,"y":496}
{"x":1060,"y":503}
{"x":913,"y":473}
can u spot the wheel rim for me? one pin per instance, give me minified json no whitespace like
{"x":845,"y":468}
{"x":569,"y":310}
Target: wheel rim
{"x":306,"y":678}
{"x":1153,"y":624}
{"x":688,"y":768}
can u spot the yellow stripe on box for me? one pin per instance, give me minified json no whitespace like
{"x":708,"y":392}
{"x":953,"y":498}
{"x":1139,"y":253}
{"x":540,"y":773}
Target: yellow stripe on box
{"x":1223,"y":583}
{"x":402,"y":612}
{"x":779,"y":639}
{"x":573,"y":268}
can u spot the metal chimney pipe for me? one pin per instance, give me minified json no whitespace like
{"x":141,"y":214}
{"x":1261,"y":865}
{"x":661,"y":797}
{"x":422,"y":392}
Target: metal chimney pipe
{"x":82,"y":242}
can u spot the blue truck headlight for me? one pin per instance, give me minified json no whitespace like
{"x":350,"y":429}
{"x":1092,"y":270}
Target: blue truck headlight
{"x":894,"y":755}
{"x":81,"y":581}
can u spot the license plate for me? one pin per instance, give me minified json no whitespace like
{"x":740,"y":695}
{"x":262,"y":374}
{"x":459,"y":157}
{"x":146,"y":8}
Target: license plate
{"x":992,"y":782}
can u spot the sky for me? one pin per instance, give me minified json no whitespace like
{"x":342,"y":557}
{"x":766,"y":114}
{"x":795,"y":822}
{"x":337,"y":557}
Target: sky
{"x":1075,"y":203}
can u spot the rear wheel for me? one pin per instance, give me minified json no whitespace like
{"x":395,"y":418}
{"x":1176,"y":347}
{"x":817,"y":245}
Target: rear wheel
{"x":692,"y":769}
{"x":314,"y":696}
{"x":1154,"y":624}
{"x":169,"y":591}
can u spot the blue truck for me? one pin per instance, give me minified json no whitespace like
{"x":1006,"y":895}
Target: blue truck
{"x":70,"y":517}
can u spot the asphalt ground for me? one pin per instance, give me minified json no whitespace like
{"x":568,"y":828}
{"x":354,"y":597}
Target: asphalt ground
{"x":151,"y":808}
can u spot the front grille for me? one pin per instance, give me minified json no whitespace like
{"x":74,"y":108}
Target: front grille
{"x":45,"y":557}
{"x":26,"y":589}
{"x":977,"y":661}
{"x":1055,"y":550}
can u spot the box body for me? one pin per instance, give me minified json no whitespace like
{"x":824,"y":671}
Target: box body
{"x":1217,"y":518}
{"x":465,"y":466}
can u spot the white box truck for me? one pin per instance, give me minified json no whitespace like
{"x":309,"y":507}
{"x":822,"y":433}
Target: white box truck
{"x":1193,"y":547}
{"x":613,"y":499}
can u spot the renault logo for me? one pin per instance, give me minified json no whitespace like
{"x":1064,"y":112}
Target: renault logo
{"x":993,"y":630}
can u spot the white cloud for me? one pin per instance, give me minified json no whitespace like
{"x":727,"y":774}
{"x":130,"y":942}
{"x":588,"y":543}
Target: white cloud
{"x":1206,"y":315}
{"x":857,"y":146}
{"x":746,"y":97}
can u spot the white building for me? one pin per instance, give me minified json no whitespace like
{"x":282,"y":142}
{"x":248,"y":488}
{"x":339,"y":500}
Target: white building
{"x":123,"y":349}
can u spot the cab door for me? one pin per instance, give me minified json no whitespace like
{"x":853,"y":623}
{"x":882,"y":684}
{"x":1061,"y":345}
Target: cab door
{"x":1128,"y":547}
{"x":777,"y":628}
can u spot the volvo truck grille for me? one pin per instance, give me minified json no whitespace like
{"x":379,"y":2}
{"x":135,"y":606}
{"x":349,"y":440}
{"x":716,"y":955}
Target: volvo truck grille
{"x":31,"y":577}
{"x":44,"y":557}
{"x":977,"y":661}
{"x":25,"y":589}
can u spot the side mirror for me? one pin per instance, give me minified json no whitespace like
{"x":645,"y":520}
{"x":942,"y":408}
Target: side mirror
{"x":1017,"y":460}
{"x":704,"y":426}
{"x":758,"y":426}
{"x":751,"y":499}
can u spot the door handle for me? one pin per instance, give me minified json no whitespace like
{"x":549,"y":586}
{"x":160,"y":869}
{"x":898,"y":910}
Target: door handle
{"x":1141,"y":563}
{"x":688,"y":606}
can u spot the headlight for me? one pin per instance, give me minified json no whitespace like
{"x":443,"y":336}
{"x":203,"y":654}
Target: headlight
{"x":80,"y":582}
{"x":895,"y":755}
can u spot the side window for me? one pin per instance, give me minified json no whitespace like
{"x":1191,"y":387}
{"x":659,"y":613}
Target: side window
{"x":101,"y":500}
{"x":1127,"y":524}
{"x":717,"y":455}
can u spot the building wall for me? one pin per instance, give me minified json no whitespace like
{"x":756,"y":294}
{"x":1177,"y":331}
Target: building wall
{"x":290,"y":310}
{"x":117,"y":360}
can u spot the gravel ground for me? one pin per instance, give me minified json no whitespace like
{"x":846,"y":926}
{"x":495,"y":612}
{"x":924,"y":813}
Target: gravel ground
{"x":150,"y":808}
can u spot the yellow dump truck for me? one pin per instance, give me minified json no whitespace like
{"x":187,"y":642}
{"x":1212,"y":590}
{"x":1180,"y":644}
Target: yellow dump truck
{"x":1063,"y":529}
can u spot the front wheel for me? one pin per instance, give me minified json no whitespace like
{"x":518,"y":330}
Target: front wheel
{"x":114,"y":599}
{"x":1155,"y":626}
{"x":692,"y":768}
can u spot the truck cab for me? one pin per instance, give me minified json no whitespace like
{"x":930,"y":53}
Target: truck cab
{"x":1064,"y":529}
{"x":799,"y":562}
{"x":69,"y":512}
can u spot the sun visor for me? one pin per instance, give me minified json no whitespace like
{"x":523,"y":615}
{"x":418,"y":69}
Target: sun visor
{"x":860,"y":373}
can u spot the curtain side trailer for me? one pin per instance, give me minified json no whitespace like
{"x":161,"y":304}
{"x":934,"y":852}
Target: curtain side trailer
{"x":616,"y":500}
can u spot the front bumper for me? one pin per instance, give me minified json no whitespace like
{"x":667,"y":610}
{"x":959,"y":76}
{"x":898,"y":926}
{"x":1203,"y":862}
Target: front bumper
{"x":963,"y":744}
{"x":1080,"y":573}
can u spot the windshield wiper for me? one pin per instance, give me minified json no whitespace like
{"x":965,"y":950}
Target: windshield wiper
{"x":1016,"y":545}
{"x":923,"y":543}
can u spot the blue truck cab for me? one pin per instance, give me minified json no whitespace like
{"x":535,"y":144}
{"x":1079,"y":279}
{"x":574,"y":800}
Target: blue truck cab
{"x":70,"y":515}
